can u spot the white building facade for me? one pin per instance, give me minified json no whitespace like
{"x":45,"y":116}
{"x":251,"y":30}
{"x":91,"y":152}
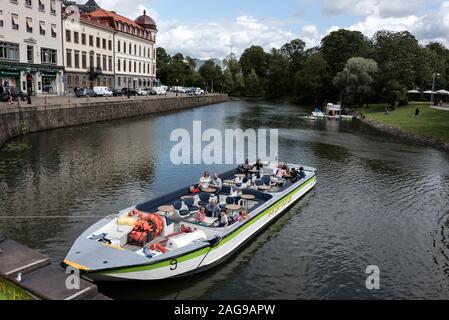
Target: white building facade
{"x":134,"y":49}
{"x":89,"y":53}
{"x":31,"y":55}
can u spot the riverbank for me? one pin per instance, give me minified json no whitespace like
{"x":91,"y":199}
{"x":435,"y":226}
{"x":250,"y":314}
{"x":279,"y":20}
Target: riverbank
{"x":15,"y":121}
{"x":430,"y":128}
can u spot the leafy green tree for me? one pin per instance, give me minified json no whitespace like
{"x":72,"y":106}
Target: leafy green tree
{"x":209,"y":72}
{"x":355,"y":80}
{"x":312,"y":79}
{"x":254,"y":58}
{"x":239,"y":84}
{"x":228,"y":81}
{"x":397,"y":55}
{"x":253,"y":86}
{"x":278,"y":83}
{"x":233,"y":64}
{"x":339,"y":46}
{"x":395,"y":93}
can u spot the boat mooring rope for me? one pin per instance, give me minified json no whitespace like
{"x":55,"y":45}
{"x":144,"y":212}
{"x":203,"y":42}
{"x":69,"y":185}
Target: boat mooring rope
{"x":212,"y":243}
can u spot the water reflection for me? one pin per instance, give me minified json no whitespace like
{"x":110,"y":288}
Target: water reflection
{"x":378,"y":201}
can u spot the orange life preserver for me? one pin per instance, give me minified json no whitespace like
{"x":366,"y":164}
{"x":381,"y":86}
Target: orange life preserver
{"x":152,"y":223}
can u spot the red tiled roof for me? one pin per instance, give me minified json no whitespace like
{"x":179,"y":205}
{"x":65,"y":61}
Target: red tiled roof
{"x":87,"y":18}
{"x":101,"y":13}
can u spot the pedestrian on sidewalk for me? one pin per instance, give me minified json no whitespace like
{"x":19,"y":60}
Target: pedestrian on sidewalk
{"x":9,"y":96}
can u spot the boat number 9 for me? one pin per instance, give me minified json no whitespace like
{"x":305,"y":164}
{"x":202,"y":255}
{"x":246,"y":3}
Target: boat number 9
{"x":174,"y":265}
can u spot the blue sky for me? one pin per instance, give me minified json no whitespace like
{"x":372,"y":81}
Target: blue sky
{"x":205,"y":29}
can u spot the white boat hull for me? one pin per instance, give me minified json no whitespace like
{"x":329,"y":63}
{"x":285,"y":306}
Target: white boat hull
{"x":211,"y":256}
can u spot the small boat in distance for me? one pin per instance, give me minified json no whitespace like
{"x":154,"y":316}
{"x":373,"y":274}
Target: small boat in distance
{"x":163,"y":238}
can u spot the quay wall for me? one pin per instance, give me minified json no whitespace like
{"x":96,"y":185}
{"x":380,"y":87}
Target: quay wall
{"x":26,"y":119}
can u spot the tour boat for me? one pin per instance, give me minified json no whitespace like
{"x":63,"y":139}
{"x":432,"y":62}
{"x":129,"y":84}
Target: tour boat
{"x":163,"y":238}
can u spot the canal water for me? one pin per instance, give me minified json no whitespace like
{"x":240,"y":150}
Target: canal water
{"x":379,"y":201}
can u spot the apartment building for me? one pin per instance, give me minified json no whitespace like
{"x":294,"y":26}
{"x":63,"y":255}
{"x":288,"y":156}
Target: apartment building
{"x":135,"y":48}
{"x":31,"y":46}
{"x":89,"y":53}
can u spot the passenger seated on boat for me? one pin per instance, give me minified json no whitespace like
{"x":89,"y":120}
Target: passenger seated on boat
{"x":258,"y":165}
{"x":243,"y":215}
{"x":224,"y":220}
{"x":294,"y":175}
{"x":213,"y":209}
{"x":205,"y":181}
{"x":302,"y":174}
{"x":201,"y":215}
{"x":217,"y":183}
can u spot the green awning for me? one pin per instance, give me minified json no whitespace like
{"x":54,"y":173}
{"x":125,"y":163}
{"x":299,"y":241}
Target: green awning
{"x":10,"y":73}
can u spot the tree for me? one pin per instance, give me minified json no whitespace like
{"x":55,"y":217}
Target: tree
{"x":231,"y":63}
{"x":395,"y":93}
{"x":294,"y":50}
{"x":278,"y":81}
{"x":228,"y":81}
{"x":312,"y":79}
{"x":254,"y":58}
{"x":355,"y":80}
{"x":339,"y":46}
{"x":253,"y":86}
{"x":209,"y":72}
{"x":397,"y":55}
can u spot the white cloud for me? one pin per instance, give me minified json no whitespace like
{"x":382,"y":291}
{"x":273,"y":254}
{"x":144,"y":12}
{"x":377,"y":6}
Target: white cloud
{"x":310,"y":35}
{"x":214,"y":40}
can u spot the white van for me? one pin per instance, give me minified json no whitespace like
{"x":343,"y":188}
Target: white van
{"x":103,"y":91}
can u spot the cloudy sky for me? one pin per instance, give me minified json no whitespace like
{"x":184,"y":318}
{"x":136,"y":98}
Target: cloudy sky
{"x":209,"y":28}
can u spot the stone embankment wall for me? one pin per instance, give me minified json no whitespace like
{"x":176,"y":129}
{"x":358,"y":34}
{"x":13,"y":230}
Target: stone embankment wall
{"x":22,"y":120}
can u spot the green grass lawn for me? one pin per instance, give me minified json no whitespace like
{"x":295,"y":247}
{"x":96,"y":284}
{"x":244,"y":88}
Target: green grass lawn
{"x":431,"y":123}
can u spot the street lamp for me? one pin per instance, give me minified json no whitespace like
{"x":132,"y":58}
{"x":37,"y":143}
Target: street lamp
{"x":433,"y":86}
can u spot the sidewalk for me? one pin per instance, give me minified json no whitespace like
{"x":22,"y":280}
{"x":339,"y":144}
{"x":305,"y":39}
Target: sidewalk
{"x":64,"y":100}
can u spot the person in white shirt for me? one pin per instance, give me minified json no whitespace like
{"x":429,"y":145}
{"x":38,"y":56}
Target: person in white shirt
{"x":205,"y":181}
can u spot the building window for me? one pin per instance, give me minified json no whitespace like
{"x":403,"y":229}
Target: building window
{"x":98,"y":61}
{"x":119,"y":65}
{"x":83,"y":38}
{"x":69,"y":58}
{"x":42,"y":28}
{"x":48,"y":56}
{"x":91,"y":41}
{"x":76,"y":37}
{"x":53,"y":7}
{"x":130,"y":48}
{"x":84,"y":60}
{"x":77,"y":59}
{"x":130,"y":66}
{"x":104,"y":43}
{"x":124,"y":47}
{"x":124,"y":65}
{"x":105,"y":67}
{"x":110,"y":63}
{"x":91,"y":60}
{"x":98,"y":42}
{"x":135,"y":66}
{"x":9,"y":51}
{"x":110,"y":45}
{"x":140,"y":67}
{"x":29,"y":25}
{"x":41,"y":6}
{"x":53,"y":31}
{"x":15,"y":21}
{"x":28,"y":3}
{"x":119,"y":81}
{"x":118,"y":46}
{"x":30,"y":54}
{"x":68,"y":36}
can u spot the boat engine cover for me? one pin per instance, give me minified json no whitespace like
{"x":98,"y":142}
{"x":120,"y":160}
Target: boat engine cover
{"x":185,"y":239}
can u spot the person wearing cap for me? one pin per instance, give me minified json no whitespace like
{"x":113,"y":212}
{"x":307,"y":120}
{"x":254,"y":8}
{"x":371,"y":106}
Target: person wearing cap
{"x":205,"y":181}
{"x":217,"y":183}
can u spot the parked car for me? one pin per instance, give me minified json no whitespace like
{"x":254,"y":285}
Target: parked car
{"x":117,"y":93}
{"x":160,"y":91}
{"x":142,"y":92}
{"x":151,"y":92}
{"x":131,"y":92}
{"x":103,"y":91}
{"x":85,"y":92}
{"x":15,"y":93}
